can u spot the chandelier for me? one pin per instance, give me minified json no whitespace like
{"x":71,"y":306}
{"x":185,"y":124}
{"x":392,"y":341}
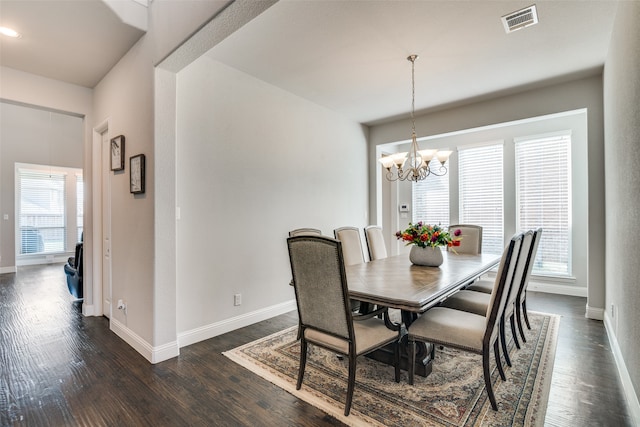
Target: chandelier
{"x":416,"y":160}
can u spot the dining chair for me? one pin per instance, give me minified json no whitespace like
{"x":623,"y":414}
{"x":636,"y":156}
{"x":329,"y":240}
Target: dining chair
{"x":326,"y":319}
{"x":471,"y":242}
{"x":305,"y":232}
{"x":477,"y":302}
{"x":521,"y":298}
{"x":468,"y":331}
{"x":351,"y":244}
{"x":375,"y":242}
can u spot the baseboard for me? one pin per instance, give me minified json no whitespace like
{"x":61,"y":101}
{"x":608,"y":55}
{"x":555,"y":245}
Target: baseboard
{"x":576,"y":291}
{"x":594,"y":313}
{"x":209,"y":331}
{"x":4,"y":270}
{"x":627,"y":385}
{"x":152,"y":354}
{"x":88,"y":310}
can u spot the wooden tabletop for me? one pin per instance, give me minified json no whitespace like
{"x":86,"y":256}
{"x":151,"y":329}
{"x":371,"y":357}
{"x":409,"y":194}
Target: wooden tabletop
{"x":395,"y":282}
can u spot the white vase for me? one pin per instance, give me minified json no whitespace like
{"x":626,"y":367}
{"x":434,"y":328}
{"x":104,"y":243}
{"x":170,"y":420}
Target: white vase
{"x":430,"y":257}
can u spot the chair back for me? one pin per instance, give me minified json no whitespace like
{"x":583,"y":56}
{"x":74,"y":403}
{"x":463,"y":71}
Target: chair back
{"x":522,"y":292}
{"x":506,"y":270}
{"x":351,"y":244}
{"x":305,"y":232}
{"x":320,"y":284}
{"x":375,"y":242}
{"x":519,"y":273}
{"x":471,"y":242}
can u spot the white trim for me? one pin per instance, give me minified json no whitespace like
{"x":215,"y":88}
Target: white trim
{"x":594,"y":313}
{"x":627,"y":385}
{"x":10,"y":269}
{"x":209,"y":331}
{"x":152,"y":354}
{"x":88,"y":310}
{"x":576,"y":291}
{"x":96,"y":205}
{"x":41,"y":259}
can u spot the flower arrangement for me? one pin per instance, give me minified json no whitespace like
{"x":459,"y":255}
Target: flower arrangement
{"x":425,"y":235}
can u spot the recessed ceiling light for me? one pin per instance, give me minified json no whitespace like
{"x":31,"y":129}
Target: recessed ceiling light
{"x":9,"y":32}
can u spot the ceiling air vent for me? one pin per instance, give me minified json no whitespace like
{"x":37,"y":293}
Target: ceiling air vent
{"x":520,"y":19}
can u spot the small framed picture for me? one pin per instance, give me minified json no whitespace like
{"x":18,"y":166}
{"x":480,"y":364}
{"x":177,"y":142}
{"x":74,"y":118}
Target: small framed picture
{"x":117,"y":153}
{"x":136,"y":171}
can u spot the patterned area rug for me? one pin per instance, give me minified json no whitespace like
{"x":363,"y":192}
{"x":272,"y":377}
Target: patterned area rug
{"x":452,"y":395}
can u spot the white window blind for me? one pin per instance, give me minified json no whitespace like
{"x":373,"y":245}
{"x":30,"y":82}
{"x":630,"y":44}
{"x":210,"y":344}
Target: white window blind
{"x":543,"y":194}
{"x":79,"y":205}
{"x":481,"y":193}
{"x":431,"y":198}
{"x":41,"y":211}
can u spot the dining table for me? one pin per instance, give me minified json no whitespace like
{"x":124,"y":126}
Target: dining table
{"x":396,"y":283}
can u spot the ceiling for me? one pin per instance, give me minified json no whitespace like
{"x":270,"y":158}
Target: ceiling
{"x":349,"y":56}
{"x":74,"y":41}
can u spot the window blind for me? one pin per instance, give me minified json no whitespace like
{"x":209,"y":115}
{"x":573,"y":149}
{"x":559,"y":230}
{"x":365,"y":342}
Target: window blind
{"x":431,"y":198}
{"x":41,"y":211}
{"x":543,"y":193}
{"x":481,"y":193}
{"x":79,"y":205}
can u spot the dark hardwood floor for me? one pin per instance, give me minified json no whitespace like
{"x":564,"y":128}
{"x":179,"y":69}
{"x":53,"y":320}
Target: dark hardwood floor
{"x":59,"y":368}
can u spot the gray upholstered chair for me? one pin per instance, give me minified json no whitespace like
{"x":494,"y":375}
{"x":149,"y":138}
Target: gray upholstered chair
{"x":351,"y":244}
{"x":471,"y":242}
{"x":468,"y":331}
{"x":305,"y":232}
{"x":521,"y":298}
{"x":477,"y":302}
{"x":352,"y":250}
{"x":375,"y":242}
{"x":326,"y":320}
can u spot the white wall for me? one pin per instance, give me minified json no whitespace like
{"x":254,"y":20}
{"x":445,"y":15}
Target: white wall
{"x":622,"y":163}
{"x":30,"y":90}
{"x":135,"y":99}
{"x":253,"y":163}
{"x":34,"y":136}
{"x":568,"y":96}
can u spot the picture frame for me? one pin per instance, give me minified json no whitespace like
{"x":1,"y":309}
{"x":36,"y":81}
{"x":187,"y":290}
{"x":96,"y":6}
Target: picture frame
{"x":136,"y":174}
{"x":117,"y":153}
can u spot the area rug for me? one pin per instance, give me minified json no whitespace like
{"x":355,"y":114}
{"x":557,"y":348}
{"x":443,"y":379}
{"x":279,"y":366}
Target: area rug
{"x":452,"y":395}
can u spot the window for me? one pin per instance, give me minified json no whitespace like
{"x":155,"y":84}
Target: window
{"x":79,"y":205}
{"x":431,"y":198}
{"x":42,"y":213}
{"x":543,"y":194}
{"x":481,"y":193}
{"x":49,"y":209}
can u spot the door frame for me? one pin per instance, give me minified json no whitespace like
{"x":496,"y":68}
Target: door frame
{"x":95,"y":306}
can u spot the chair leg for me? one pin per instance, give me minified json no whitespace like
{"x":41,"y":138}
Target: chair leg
{"x":519,"y":320}
{"x":303,"y":362}
{"x":351,"y":384}
{"x":396,"y":360}
{"x":524,"y":311}
{"x":496,"y":350}
{"x":503,"y":341}
{"x":512,"y":321}
{"x":412,"y":360}
{"x":487,"y":377}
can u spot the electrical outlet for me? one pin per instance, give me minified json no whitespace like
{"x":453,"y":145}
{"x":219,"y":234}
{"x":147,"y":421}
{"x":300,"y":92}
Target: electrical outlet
{"x":122,"y":306}
{"x":613,"y":311}
{"x":237,"y":299}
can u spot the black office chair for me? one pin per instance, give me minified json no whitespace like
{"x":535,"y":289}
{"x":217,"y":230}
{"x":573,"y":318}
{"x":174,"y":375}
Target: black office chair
{"x":73,"y":270}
